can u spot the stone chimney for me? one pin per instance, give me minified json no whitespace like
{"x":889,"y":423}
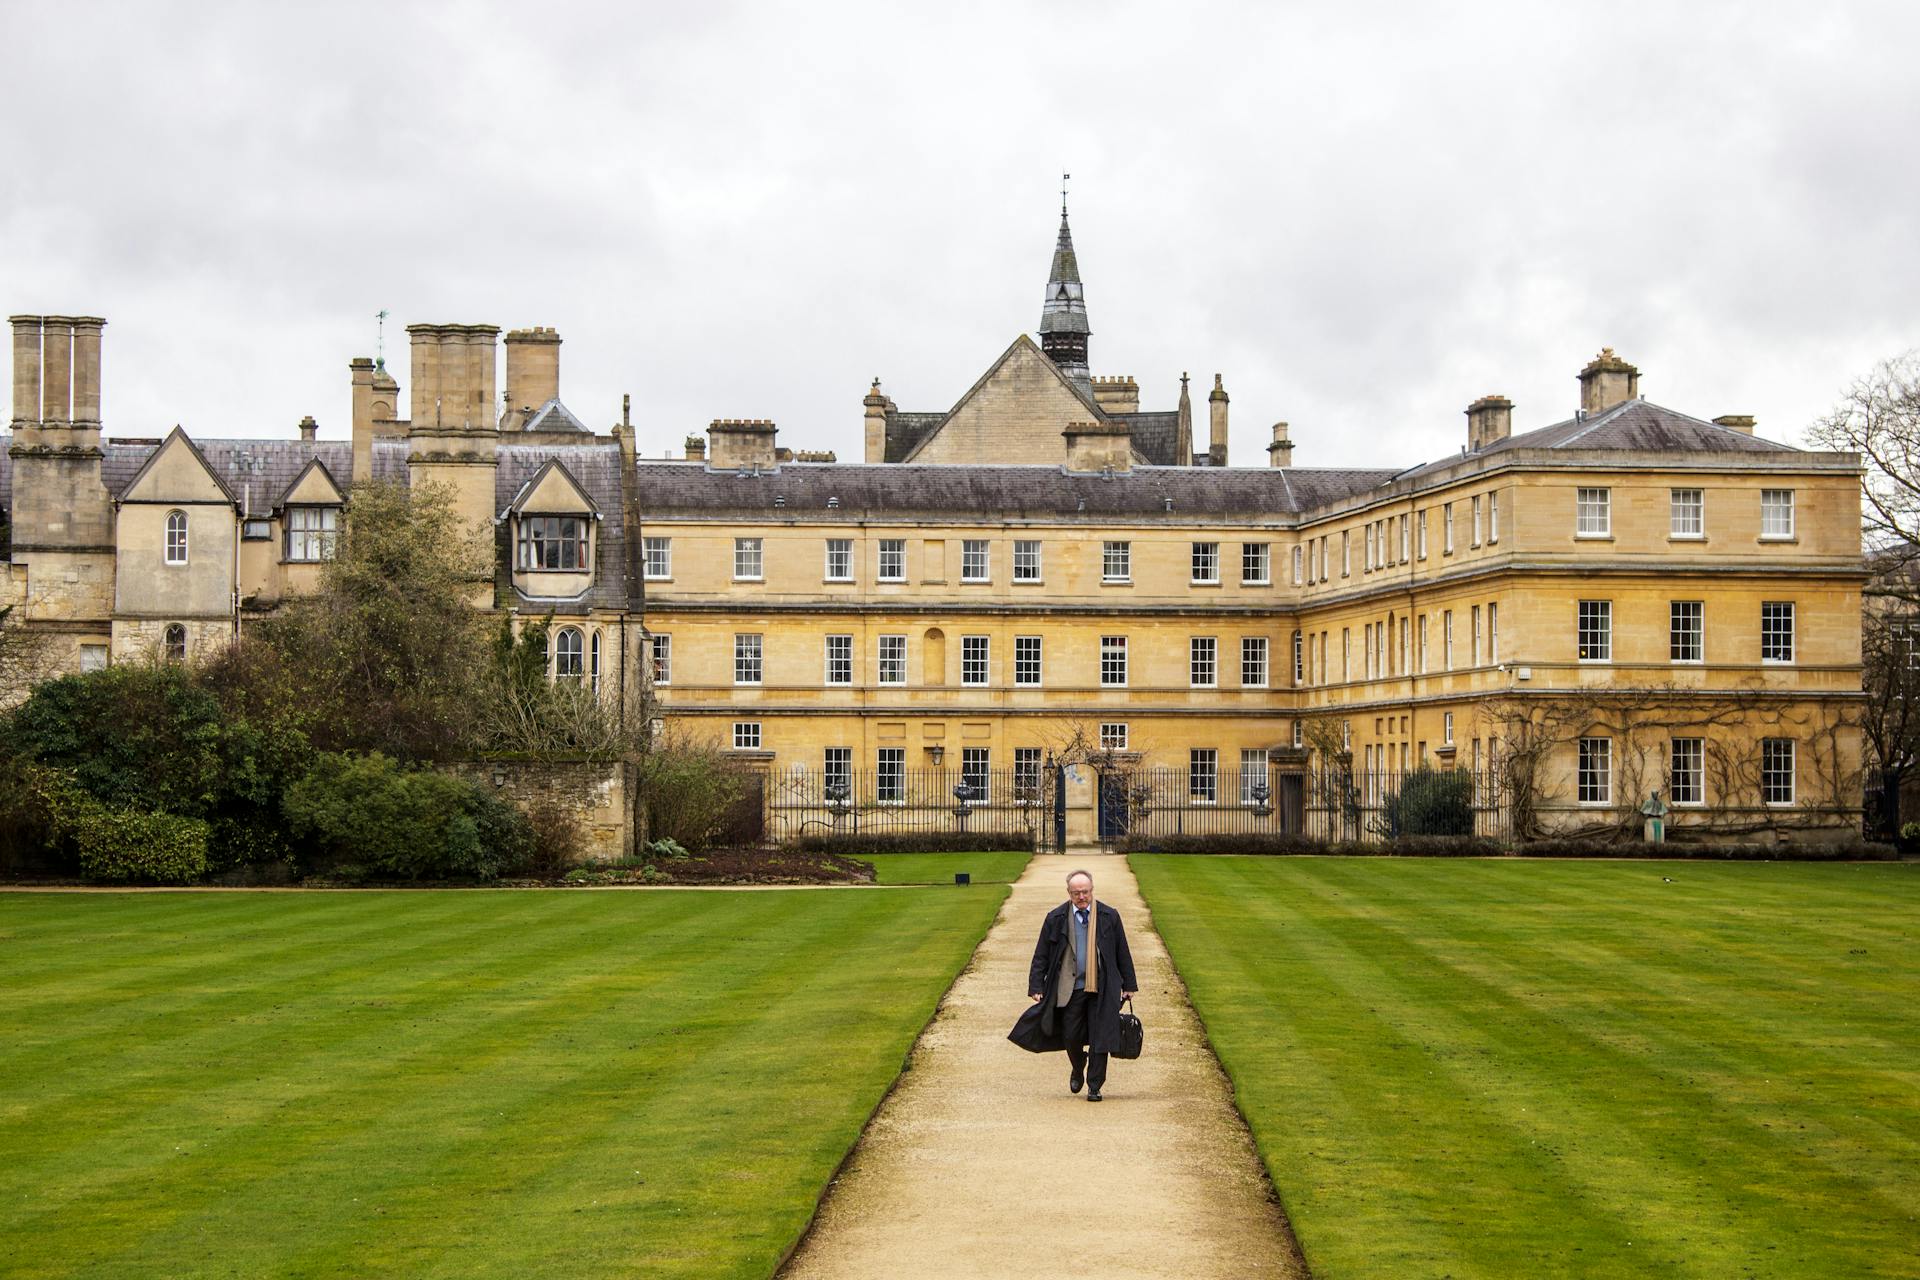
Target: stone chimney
{"x":309,"y":429}
{"x":533,"y":368}
{"x":1489,"y":418}
{"x":1741,"y":422}
{"x":1607,"y":381}
{"x":1217,"y":424}
{"x":696,"y":449}
{"x":56,"y":371}
{"x":876,"y":421}
{"x":1280,"y":452}
{"x":60,"y":507}
{"x":1117,"y":395}
{"x":741,"y":444}
{"x":453,"y":377}
{"x":26,"y":370}
{"x":1099,"y":446}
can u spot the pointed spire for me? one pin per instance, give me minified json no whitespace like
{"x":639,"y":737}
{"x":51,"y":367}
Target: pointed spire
{"x":1063,"y":315}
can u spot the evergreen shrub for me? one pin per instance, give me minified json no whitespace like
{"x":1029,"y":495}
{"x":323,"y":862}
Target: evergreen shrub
{"x":403,"y":824}
{"x":123,"y":846}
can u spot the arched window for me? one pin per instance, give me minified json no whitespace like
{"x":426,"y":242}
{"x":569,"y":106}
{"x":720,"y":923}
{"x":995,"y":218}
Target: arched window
{"x":593,"y":664}
{"x":176,"y":537}
{"x":173,"y":641}
{"x":566,"y":654}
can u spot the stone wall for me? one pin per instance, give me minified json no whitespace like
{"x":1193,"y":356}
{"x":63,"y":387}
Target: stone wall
{"x":594,"y":793}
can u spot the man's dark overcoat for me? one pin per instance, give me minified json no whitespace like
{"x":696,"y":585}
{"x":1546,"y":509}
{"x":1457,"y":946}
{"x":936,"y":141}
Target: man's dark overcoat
{"x":1038,"y":1029}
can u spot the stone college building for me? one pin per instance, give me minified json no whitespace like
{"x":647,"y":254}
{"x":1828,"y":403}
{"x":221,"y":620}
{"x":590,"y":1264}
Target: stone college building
{"x":1626,"y":599}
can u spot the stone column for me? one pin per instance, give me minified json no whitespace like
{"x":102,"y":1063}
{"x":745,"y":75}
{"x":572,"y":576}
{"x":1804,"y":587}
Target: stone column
{"x":26,"y":368}
{"x":56,"y":370}
{"x":86,"y":368}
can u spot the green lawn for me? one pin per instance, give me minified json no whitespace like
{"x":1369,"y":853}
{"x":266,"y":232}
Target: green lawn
{"x":938,"y":868}
{"x":1507,"y":1069}
{"x":511,"y":1084}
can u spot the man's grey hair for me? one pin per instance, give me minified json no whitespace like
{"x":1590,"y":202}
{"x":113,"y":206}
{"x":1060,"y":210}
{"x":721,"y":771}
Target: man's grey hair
{"x":1083,"y":872}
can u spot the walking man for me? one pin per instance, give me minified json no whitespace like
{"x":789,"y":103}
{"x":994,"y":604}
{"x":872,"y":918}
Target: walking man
{"x":1081,"y":973}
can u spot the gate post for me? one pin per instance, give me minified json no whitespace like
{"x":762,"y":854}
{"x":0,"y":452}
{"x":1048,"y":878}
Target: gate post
{"x":1059,"y":809}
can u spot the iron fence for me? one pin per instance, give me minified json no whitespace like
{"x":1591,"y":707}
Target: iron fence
{"x":1328,"y":803}
{"x":802,"y":802}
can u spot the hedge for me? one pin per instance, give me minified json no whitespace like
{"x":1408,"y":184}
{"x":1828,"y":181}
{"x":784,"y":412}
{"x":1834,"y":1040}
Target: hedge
{"x":121,"y":846}
{"x":924,"y":842}
{"x":1848,"y":850}
{"x":372,"y":813}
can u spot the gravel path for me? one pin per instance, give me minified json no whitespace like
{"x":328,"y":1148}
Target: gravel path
{"x":982,"y":1165}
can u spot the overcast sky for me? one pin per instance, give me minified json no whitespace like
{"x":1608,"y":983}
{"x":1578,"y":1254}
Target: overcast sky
{"x":1363,"y":215}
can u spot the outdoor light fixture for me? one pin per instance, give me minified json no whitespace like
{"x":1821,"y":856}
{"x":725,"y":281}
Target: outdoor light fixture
{"x":936,"y":753}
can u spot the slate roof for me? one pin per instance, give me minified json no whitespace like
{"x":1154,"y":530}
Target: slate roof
{"x":991,"y":492}
{"x":1633,"y":424}
{"x":905,"y":431}
{"x":1156,"y":436}
{"x":554,"y":416}
{"x":595,"y":468}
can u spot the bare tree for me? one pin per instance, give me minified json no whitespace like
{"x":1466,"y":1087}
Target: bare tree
{"x":1879,"y":418}
{"x":1890,"y":681}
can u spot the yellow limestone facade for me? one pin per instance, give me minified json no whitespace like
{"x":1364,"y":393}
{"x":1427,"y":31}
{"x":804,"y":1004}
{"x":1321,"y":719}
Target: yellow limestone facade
{"x":1627,"y":599}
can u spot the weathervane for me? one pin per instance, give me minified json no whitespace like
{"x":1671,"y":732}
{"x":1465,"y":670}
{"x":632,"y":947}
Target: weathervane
{"x":381,"y":350}
{"x":1063,"y":193}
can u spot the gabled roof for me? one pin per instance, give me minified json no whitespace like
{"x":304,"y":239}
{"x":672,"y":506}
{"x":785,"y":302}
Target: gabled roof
{"x":593,"y":466}
{"x":1156,"y":436}
{"x":177,"y":434}
{"x":532,"y":485}
{"x":1019,"y":344}
{"x":313,"y":465}
{"x":553,"y":416}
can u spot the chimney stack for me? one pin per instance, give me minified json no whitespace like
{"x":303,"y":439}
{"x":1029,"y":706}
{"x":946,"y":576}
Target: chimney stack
{"x":1607,"y":381}
{"x":86,"y":368}
{"x":26,"y":370}
{"x":533,"y":368}
{"x":308,"y":429}
{"x":1117,"y":395}
{"x":56,"y":369}
{"x":696,"y":449}
{"x":453,"y":377}
{"x":1217,"y":424}
{"x":1489,"y":418}
{"x":742,"y":444}
{"x":1741,"y":422}
{"x":1099,"y":446}
{"x":1280,"y":452}
{"x":876,"y":423}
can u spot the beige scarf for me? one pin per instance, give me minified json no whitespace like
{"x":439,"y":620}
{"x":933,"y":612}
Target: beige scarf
{"x":1063,"y":988}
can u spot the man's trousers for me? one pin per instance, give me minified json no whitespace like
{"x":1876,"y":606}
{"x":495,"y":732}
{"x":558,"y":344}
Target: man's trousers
{"x":1073,"y":1027}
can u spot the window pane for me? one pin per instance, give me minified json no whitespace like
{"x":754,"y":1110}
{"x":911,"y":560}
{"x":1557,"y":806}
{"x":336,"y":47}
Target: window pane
{"x":973,"y":560}
{"x":1116,"y":561}
{"x":1596,"y":630}
{"x":1113,"y":660}
{"x":746,"y":659}
{"x":890,"y":775}
{"x":1026,"y":660}
{"x":973,"y":659}
{"x":1113,"y":736}
{"x":1253,"y":775}
{"x":659,"y":557}
{"x":893,"y":560}
{"x":1206,"y":562}
{"x":893,"y":660}
{"x":1595,"y":516}
{"x":839,"y":659}
{"x":1686,"y":643}
{"x":1596,"y":770}
{"x":746,"y":558}
{"x":1026,"y":562}
{"x":1685,"y":771}
{"x":1776,"y":513}
{"x":1204,"y":655}
{"x":840,"y":559}
{"x":1688,"y":511}
{"x":1203,"y":769}
{"x":1776,"y":631}
{"x":1256,"y":562}
{"x":1776,"y":770}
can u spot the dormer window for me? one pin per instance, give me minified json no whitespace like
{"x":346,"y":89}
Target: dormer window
{"x":311,"y":532}
{"x":553,"y":544}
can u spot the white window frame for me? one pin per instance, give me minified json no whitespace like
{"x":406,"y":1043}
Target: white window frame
{"x":173,"y":547}
{"x":746,"y":735}
{"x":1203,"y":662}
{"x":749,"y":658}
{"x":1594,"y":773}
{"x":1773,"y":772}
{"x":1113,"y":659}
{"x":1116,"y":562}
{"x":1446,"y":640}
{"x":1493,"y":632}
{"x":1205,"y":564}
{"x":891,"y":664}
{"x":1256,"y":564}
{"x":976,"y":560}
{"x":1420,"y":539}
{"x":1695,"y":636}
{"x":749,"y":560}
{"x":657,"y":555}
{"x":894,"y":550}
{"x":660,"y":655}
{"x":839,"y":656}
{"x":1776,"y":515}
{"x":1593,"y":631}
{"x":976,"y":772}
{"x":1770,"y":612}
{"x":1113,"y":735}
{"x":1446,"y":529}
{"x":1695,"y":753}
{"x":976,"y":661}
{"x":1687,"y":514}
{"x":1254,"y":770}
{"x":1446,"y":728}
{"x":1477,"y":539}
{"x":836,"y":769}
{"x":1593,"y":512}
{"x":890,"y":775}
{"x":841,"y":549}
{"x":1029,"y":661}
{"x":1026,"y":560}
{"x":1298,"y":564}
{"x":1203,"y":775}
{"x":1493,"y":516}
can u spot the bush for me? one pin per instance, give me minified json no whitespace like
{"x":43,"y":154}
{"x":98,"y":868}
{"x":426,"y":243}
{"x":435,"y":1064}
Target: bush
{"x":1431,"y":802}
{"x":554,"y":848}
{"x":925,"y":842}
{"x":689,"y":792}
{"x":1852,"y":849}
{"x":121,"y":846}
{"x":404,"y":824}
{"x":134,"y":736}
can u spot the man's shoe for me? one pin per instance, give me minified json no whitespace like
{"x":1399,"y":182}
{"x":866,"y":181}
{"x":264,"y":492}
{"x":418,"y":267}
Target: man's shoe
{"x":1075,"y":1080}
{"x":1093,"y":1095}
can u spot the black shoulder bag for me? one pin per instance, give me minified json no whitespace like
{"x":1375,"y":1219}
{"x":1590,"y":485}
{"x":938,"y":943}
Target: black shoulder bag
{"x":1132,"y":1035}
